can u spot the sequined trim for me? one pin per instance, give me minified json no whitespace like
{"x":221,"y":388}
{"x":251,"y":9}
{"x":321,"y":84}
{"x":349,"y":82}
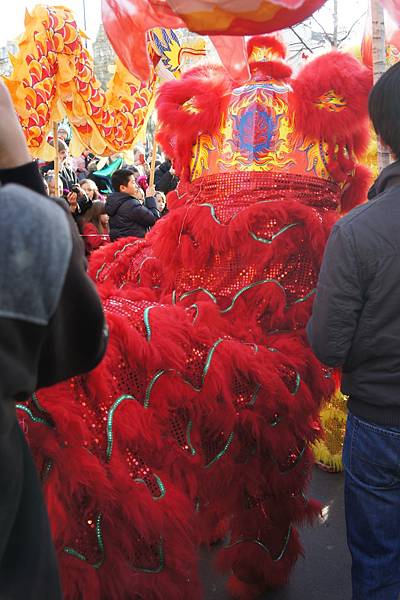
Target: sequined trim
{"x":197,"y":312}
{"x":159,"y":374}
{"x":298,"y":459}
{"x":110,"y":417}
{"x":147,"y":322}
{"x":305,"y":297}
{"x":32,"y":417}
{"x":240,"y":292}
{"x":298,"y":381}
{"x":160,"y":550}
{"x":188,"y":438}
{"x":36,"y":402}
{"x":98,"y":272}
{"x":200,"y":289}
{"x":209,"y":358}
{"x":124,"y":248}
{"x":298,"y":377}
{"x":212,"y":211}
{"x":150,"y":386}
{"x":159,"y":483}
{"x":100,"y":543}
{"x":273,"y":237}
{"x":223,"y":451}
{"x":263,"y":546}
{"x":253,"y":399}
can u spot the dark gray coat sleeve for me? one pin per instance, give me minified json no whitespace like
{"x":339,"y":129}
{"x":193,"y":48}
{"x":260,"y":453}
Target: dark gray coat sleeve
{"x":146,"y":214}
{"x":338,"y":302}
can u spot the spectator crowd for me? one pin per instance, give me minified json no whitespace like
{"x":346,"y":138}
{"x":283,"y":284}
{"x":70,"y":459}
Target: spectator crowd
{"x":109,"y":199}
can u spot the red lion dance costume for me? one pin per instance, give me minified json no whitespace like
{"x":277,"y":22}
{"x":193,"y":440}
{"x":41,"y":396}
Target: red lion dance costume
{"x":197,"y":425}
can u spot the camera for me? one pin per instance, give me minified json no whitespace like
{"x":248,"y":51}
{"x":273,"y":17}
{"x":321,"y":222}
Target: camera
{"x":77,"y":190}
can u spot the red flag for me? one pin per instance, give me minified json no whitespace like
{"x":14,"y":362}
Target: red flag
{"x":127,"y":21}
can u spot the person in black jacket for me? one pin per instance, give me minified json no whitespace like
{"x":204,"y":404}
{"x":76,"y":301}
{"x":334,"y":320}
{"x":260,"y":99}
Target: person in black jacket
{"x":130,"y":215}
{"x":165,"y":178}
{"x":51,"y":328}
{"x":355,"y":325}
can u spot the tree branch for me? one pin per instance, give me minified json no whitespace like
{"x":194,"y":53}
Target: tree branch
{"x":328,"y":37}
{"x":352,"y":27}
{"x":301,"y":39}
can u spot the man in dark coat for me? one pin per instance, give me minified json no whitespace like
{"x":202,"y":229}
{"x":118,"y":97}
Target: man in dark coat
{"x":356,"y":325}
{"x":51,"y":328}
{"x":165,"y":178}
{"x":130,"y":214}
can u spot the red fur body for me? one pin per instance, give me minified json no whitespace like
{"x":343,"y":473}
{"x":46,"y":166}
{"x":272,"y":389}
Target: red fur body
{"x":197,"y":424}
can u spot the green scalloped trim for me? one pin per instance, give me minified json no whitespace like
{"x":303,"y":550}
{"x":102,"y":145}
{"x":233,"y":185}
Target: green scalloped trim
{"x":161,"y":559}
{"x":200,"y":289}
{"x":298,"y":382}
{"x":305,"y":297}
{"x":188,"y":438}
{"x":245,"y":289}
{"x":209,"y":358}
{"x":99,"y":271}
{"x":298,"y":376}
{"x":100,"y":543}
{"x":124,"y":248}
{"x":263,"y":546}
{"x":147,"y":322}
{"x":197,"y":312}
{"x":296,"y":462}
{"x":110,"y":417}
{"x":223,"y":451}
{"x":253,"y":399}
{"x":37,"y":403}
{"x":249,"y":287}
{"x":212,"y":211}
{"x":146,"y":402}
{"x":275,"y":235}
{"x":160,"y":485}
{"x":31,"y":415}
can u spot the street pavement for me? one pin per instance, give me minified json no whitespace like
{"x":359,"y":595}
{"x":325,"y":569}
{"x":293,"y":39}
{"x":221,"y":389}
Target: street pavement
{"x":324,"y":572}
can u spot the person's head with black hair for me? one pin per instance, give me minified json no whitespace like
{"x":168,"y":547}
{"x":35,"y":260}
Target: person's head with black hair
{"x":124,"y":181}
{"x":384,"y":108}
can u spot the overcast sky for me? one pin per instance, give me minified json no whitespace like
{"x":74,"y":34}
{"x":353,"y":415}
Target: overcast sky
{"x":12,"y":22}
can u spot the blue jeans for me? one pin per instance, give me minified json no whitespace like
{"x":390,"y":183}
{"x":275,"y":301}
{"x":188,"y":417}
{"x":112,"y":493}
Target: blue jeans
{"x":371,"y":457}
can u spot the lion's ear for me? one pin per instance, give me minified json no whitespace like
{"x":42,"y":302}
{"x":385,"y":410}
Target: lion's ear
{"x":330,"y":100}
{"x":187,"y":108}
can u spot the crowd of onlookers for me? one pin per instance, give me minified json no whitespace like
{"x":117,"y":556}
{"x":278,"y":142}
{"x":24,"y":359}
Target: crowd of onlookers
{"x":108,"y":198}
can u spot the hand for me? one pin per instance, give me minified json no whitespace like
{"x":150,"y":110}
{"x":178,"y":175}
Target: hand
{"x":13,"y":149}
{"x":73,"y":201}
{"x":151,"y":190}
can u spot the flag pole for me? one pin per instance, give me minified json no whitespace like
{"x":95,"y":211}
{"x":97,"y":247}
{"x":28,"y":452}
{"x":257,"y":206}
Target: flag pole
{"x":153,"y":162}
{"x":56,"y":160}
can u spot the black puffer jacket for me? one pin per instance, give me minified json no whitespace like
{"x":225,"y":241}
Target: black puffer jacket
{"x":163,"y":178}
{"x":128,"y":217}
{"x":356,"y":315}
